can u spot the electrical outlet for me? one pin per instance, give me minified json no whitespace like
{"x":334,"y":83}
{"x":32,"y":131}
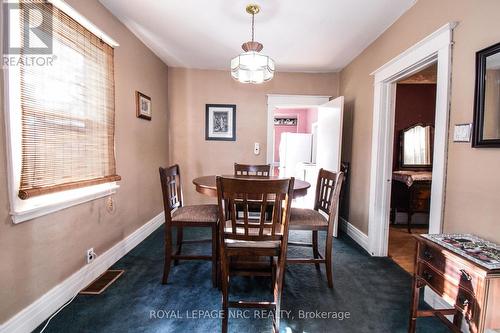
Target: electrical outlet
{"x":91,"y":255}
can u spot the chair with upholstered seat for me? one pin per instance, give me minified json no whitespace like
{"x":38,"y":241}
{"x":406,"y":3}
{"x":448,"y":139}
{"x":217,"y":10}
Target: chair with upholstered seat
{"x":253,"y":237}
{"x":180,"y":216}
{"x":322,"y":217}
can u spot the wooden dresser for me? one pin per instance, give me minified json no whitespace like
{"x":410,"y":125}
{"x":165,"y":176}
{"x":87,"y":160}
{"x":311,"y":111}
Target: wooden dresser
{"x":410,"y":193}
{"x":472,"y":288}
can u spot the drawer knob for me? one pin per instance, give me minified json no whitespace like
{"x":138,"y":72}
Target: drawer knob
{"x":463,"y":300}
{"x":466,"y":276}
{"x":427,"y":276}
{"x":428,"y":255}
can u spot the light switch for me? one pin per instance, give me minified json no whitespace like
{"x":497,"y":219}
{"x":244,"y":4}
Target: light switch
{"x":256,"y":148}
{"x":462,"y":133}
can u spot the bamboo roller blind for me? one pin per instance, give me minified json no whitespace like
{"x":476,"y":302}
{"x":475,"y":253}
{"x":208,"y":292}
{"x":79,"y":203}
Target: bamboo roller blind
{"x":67,"y":111}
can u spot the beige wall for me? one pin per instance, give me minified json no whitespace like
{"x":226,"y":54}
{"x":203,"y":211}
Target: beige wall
{"x":473,"y":183}
{"x":189,"y":90}
{"x":37,"y":255}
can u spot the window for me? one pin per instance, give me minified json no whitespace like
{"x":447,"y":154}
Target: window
{"x":62,"y":115}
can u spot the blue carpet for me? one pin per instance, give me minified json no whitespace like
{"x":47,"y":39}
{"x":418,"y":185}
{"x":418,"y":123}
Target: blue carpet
{"x":369,"y":295}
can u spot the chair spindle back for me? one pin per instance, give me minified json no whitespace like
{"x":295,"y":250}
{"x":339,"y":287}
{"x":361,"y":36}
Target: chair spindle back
{"x":170,"y":178}
{"x":238,"y":194}
{"x":328,"y":191}
{"x":252,"y":170}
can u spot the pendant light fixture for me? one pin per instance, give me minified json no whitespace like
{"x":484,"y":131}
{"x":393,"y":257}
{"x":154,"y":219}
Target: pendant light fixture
{"x":252,"y":66}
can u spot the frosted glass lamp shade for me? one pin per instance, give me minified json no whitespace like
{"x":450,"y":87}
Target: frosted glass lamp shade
{"x":252,"y":67}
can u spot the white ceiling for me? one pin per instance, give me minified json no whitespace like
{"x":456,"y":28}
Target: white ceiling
{"x":301,"y":36}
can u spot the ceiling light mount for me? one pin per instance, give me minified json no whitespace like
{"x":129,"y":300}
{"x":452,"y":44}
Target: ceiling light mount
{"x":253,"y":9}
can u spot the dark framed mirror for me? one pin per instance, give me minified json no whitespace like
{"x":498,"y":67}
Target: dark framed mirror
{"x":416,"y":145}
{"x":486,"y":129}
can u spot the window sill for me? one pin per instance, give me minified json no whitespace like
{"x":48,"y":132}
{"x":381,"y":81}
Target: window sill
{"x":50,"y":203}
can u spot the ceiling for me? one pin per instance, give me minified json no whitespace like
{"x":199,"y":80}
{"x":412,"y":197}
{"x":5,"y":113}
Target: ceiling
{"x":301,"y":36}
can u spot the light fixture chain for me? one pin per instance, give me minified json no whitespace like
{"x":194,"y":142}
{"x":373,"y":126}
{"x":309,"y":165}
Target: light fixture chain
{"x":253,"y":26}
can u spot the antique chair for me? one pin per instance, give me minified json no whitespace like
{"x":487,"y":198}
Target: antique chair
{"x":322,"y":217}
{"x":253,"y":237}
{"x":252,"y":170}
{"x":180,"y":216}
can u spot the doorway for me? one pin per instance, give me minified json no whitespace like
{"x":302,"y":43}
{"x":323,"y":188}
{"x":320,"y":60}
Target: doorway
{"x":293,"y":127}
{"x":286,"y":102}
{"x":303,"y":138}
{"x":414,"y":122}
{"x":436,"y":48}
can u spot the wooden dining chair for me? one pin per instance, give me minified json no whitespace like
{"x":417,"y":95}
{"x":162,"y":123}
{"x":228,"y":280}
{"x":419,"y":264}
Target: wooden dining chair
{"x":322,"y":217}
{"x":252,"y":170}
{"x":180,"y":216}
{"x":256,"y":170}
{"x":253,"y":237}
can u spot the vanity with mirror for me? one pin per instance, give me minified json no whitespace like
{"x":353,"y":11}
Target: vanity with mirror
{"x":486,"y":131}
{"x":411,"y":182}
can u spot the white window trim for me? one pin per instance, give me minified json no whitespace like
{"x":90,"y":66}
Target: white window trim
{"x":24,"y":210}
{"x":71,"y":12}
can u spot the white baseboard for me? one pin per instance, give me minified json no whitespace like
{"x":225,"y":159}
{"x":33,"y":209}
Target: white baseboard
{"x":37,"y":312}
{"x":357,"y":235}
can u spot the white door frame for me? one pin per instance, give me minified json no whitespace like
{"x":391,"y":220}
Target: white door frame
{"x":436,"y":47}
{"x":289,"y":101}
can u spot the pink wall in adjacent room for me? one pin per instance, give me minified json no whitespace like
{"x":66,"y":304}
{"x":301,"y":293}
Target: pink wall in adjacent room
{"x":301,"y":114}
{"x":305,"y":118}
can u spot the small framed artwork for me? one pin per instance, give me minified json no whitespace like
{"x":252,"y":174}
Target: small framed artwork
{"x":143,"y":106}
{"x":462,"y":133}
{"x":220,"y":122}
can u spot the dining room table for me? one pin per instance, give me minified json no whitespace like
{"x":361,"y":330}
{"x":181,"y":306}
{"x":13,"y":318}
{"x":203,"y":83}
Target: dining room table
{"x":207,"y":184}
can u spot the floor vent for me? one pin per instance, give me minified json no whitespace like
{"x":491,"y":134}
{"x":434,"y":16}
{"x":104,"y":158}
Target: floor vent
{"x":102,"y":282}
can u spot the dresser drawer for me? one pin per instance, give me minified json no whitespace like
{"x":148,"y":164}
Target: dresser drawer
{"x":463,"y":299}
{"x":455,"y":272}
{"x":420,"y":205}
{"x":472,"y":288}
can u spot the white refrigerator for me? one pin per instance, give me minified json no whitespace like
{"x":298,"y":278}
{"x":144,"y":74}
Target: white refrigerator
{"x":294,"y":149}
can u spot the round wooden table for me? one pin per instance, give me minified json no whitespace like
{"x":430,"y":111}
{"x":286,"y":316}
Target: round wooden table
{"x":206,"y":184}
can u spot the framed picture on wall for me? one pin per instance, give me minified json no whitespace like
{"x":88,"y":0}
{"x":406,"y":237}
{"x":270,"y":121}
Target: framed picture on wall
{"x":143,"y":106}
{"x":220,"y":122}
